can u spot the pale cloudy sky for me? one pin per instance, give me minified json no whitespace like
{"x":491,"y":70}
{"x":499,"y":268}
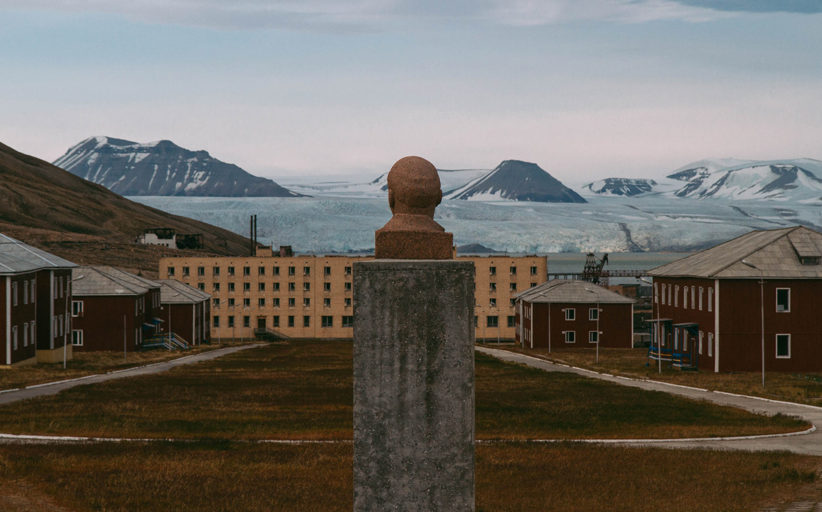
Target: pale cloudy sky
{"x":585,"y":88}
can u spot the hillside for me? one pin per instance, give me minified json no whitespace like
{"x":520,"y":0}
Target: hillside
{"x":86,"y":223}
{"x":162,"y":168}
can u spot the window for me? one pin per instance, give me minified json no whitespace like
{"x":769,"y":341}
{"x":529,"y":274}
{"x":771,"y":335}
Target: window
{"x":292,"y":302}
{"x":512,"y":302}
{"x":306,"y":321}
{"x":231,"y":302}
{"x":201,"y":286}
{"x":201,"y":271}
{"x":260,"y":287}
{"x":275,"y":287}
{"x":693,"y":297}
{"x":513,"y":287}
{"x":701,"y":291}
{"x":25,"y":292}
{"x":306,"y":271}
{"x":246,"y":321}
{"x":275,"y":302}
{"x":25,"y":334}
{"x":231,"y":271}
{"x":685,"y":298}
{"x":783,"y":346}
{"x":511,"y":320}
{"x":348,"y":287}
{"x":327,"y":321}
{"x":246,"y":287}
{"x":231,"y":287}
{"x":13,"y":294}
{"x":292,"y":287}
{"x":246,"y":271}
{"x":663,"y":293}
{"x":493,"y":303}
{"x":307,"y":302}
{"x":348,"y":271}
{"x":261,"y":302}
{"x":531,"y":285}
{"x":216,"y":287}
{"x":292,"y":271}
{"x":276,"y":320}
{"x":246,"y":302}
{"x":710,"y":342}
{"x":783,"y":300}
{"x":492,"y":321}
{"x":306,"y":287}
{"x":290,"y":320}
{"x":260,"y":271}
{"x":493,"y":287}
{"x":656,"y":293}
{"x":570,"y":336}
{"x":710,"y":300}
{"x":77,"y":308}
{"x":215,"y":271}
{"x":215,"y":321}
{"x":327,"y":271}
{"x":14,"y":336}
{"x":327,"y":303}
{"x":593,"y":336}
{"x":492,"y":271}
{"x":534,"y":270}
{"x":570,"y":314}
{"x":326,"y":287}
{"x":513,"y":270}
{"x":676,"y":296}
{"x":593,"y":313}
{"x":347,"y":302}
{"x":215,"y":302}
{"x":670,"y":289}
{"x":348,"y":321}
{"x":170,"y":271}
{"x":276,"y":270}
{"x":185,"y":272}
{"x":699,"y":346}
{"x":475,"y":320}
{"x":77,"y":337}
{"x":231,"y":320}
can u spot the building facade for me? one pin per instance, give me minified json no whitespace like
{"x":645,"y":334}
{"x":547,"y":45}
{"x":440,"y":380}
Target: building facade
{"x":712,"y":306}
{"x":566,"y":313}
{"x":185,"y":311}
{"x":310,"y":296}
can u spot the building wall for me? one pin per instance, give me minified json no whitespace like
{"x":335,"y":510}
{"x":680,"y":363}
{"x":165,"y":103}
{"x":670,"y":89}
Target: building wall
{"x":672,"y":305}
{"x":19,"y":318}
{"x":101,"y":322}
{"x":324,"y":293}
{"x":541,"y":321}
{"x":53,"y":313}
{"x":189,"y":321}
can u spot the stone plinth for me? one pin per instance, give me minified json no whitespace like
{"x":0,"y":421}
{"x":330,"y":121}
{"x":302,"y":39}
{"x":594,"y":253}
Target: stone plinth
{"x":423,"y":245}
{"x":414,"y":385}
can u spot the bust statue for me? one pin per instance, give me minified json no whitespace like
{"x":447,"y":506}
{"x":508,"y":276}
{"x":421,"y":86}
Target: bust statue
{"x":413,"y":194}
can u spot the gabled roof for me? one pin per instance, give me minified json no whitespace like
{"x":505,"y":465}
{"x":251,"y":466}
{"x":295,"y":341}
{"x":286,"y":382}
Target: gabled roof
{"x":776,"y":253}
{"x":17,"y":257}
{"x":175,"y":292}
{"x":107,"y":281}
{"x":561,"y":290}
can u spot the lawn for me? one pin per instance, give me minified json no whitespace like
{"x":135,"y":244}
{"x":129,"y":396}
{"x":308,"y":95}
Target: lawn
{"x":223,"y":476}
{"x":793,"y":387}
{"x":303,"y":390}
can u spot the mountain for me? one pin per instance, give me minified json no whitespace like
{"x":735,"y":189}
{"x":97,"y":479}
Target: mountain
{"x":515,"y":180}
{"x":51,"y":208}
{"x":794,"y":180}
{"x":162,"y":168}
{"x":627,"y":187}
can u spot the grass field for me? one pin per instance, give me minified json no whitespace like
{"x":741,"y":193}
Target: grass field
{"x":794,"y":387}
{"x":303,"y":390}
{"x":221,"y":476}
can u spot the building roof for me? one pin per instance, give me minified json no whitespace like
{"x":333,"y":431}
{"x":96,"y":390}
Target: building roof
{"x":175,"y":292}
{"x":17,"y":257}
{"x":107,"y":281}
{"x":786,"y":253}
{"x":572,"y":291}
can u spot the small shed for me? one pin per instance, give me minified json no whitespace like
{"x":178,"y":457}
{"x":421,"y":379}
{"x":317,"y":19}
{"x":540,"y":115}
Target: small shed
{"x":569,"y":313}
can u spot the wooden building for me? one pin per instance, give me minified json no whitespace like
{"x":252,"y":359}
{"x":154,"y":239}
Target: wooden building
{"x":711,"y":307}
{"x":186,"y":311}
{"x":35,"y":290}
{"x":567,"y":313}
{"x":112,"y":309}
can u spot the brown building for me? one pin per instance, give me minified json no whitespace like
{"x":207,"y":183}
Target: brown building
{"x":112,"y":309}
{"x":35,"y":289}
{"x":710,"y":307}
{"x":186,"y":311}
{"x":309,"y":296}
{"x":566,"y":313}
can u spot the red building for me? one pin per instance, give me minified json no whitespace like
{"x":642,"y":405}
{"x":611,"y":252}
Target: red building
{"x":710,"y":307}
{"x":112,"y":309}
{"x":186,"y":311}
{"x":35,"y":290}
{"x":561,"y":313}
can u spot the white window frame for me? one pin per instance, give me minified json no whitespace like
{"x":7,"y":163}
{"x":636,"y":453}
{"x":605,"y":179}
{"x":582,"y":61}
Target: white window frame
{"x":776,"y":299}
{"x":593,"y":314}
{"x":569,"y":334}
{"x":685,"y":297}
{"x":75,"y":334}
{"x":710,"y":344}
{"x":693,"y":297}
{"x":656,"y":293}
{"x":701,"y":291}
{"x":710,"y":299}
{"x":14,"y":293}
{"x":25,"y":292}
{"x":676,"y":296}
{"x":14,"y":336}
{"x":77,"y":308}
{"x":593,"y":334}
{"x":776,"y":343}
{"x":701,"y":335}
{"x":570,"y":314}
{"x":664,"y":289}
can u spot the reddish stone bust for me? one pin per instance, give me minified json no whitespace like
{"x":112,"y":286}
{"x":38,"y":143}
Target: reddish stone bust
{"x":413,"y":194}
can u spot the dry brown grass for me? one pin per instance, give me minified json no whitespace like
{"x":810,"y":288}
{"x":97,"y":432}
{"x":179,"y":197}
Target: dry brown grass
{"x":510,"y":477}
{"x":795,"y":387}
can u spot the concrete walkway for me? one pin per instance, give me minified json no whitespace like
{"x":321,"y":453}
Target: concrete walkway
{"x":52,"y":388}
{"x":808,"y":442}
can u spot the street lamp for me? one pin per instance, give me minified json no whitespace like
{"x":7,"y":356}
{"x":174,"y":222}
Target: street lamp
{"x":656,"y":323}
{"x":761,"y":312}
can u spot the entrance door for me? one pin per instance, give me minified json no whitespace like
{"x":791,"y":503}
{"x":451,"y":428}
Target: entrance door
{"x":261,"y":322}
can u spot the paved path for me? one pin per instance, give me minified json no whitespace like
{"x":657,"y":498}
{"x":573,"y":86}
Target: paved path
{"x":808,"y":443}
{"x":52,"y":388}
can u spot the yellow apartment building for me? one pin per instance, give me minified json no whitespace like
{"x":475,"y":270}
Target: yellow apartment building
{"x":311,"y":296}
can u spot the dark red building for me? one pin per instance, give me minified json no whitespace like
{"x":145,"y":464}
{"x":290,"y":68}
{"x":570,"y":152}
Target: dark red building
{"x":710,"y":307}
{"x":562,"y":313}
{"x":35,"y":290}
{"x":186,"y":311}
{"x":112,"y":309}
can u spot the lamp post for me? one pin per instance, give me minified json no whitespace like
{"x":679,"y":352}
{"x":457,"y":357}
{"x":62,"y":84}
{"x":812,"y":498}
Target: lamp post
{"x":761,"y":312}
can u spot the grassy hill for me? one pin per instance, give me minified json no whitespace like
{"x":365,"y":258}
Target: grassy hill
{"x":50,"y":208}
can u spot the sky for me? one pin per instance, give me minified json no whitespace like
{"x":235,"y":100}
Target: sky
{"x":587,"y":89}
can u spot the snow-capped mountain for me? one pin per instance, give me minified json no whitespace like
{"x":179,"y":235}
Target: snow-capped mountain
{"x":162,"y":169}
{"x":515,"y":180}
{"x":795,"y":180}
{"x":626,"y":187}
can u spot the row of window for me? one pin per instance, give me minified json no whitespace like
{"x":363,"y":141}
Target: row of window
{"x":325,"y":321}
{"x":493,"y":321}
{"x":571,"y":336}
{"x":492,"y":287}
{"x":275,"y":302}
{"x":275,"y":270}
{"x":261,"y":287}
{"x":511,"y":270}
{"x":29,"y":292}
{"x":29,"y":333}
{"x":571,"y":314}
{"x":671,"y":294}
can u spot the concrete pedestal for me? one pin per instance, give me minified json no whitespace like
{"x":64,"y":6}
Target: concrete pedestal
{"x":414,"y":385}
